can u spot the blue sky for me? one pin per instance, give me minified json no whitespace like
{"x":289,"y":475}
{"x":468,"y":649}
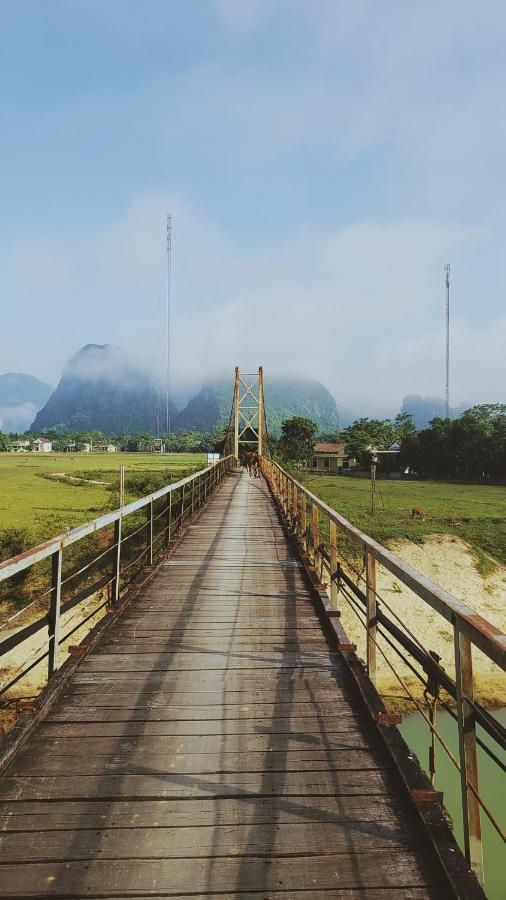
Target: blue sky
{"x":322,"y":162}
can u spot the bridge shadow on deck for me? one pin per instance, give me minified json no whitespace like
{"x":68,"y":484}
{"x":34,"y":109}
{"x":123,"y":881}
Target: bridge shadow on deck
{"x":286,"y":793}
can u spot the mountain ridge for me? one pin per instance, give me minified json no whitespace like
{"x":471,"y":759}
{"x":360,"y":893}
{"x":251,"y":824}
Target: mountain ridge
{"x":101,"y":389}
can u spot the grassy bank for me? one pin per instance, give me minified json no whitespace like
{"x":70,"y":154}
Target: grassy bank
{"x":35,"y":497}
{"x":474,"y":513}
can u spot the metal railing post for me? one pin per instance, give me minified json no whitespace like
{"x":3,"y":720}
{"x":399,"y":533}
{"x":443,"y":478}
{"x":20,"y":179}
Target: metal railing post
{"x":53,"y":616}
{"x":169,"y":519}
{"x":467,"y":753}
{"x":371,"y":616}
{"x":150,"y":533}
{"x":316,"y":530}
{"x":333,"y":563}
{"x":115,"y":585}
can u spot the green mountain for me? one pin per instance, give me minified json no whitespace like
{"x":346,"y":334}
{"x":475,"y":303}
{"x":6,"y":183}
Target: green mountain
{"x":423,"y":409}
{"x":21,"y":396}
{"x":100,"y":389}
{"x":284,"y":398}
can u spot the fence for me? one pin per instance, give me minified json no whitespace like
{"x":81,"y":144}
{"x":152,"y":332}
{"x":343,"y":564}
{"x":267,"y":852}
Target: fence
{"x":64,"y":581}
{"x":309,"y":517}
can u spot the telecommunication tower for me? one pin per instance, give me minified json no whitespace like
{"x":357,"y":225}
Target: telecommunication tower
{"x":169,"y":275}
{"x":447,"y":355}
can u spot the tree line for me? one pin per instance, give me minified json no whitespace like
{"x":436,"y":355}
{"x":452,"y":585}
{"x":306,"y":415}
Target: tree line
{"x":472,"y":446}
{"x":75,"y":441}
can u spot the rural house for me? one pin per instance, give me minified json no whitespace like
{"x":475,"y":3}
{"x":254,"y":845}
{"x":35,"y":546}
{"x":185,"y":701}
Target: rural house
{"x":21,"y":446}
{"x":42,"y":445}
{"x":330,"y":458}
{"x":105,"y":447}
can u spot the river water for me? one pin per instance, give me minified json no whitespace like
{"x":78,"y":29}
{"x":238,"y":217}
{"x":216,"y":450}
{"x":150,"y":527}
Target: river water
{"x":492,"y":784}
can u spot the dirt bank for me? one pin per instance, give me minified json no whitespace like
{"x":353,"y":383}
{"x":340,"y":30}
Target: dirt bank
{"x":450,"y":563}
{"x":31,"y":684}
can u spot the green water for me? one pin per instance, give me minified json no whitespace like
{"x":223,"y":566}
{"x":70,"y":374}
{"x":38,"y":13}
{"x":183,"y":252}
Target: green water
{"x":492,"y":783}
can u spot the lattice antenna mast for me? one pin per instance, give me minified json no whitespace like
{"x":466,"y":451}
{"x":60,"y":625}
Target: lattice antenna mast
{"x":447,"y":354}
{"x":168,"y":323}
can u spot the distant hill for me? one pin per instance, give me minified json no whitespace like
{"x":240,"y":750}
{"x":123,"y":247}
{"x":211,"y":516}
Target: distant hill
{"x":100,"y":389}
{"x":21,"y":396}
{"x":284,"y":398}
{"x":423,"y":409}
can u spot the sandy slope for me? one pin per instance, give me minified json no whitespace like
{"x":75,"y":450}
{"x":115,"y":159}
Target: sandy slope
{"x":449,"y":562}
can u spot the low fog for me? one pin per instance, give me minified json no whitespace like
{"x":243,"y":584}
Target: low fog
{"x":360,"y":308}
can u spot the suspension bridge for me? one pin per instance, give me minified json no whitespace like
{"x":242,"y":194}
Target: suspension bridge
{"x":207,"y":728}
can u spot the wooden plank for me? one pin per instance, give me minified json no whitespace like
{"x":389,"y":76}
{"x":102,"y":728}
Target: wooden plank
{"x":311,"y":728}
{"x":239,"y":840}
{"x":141,"y":644}
{"x":165,"y":786}
{"x":160,"y":662}
{"x":214,"y":744}
{"x":151,"y":712}
{"x":164,"y":691}
{"x":59,"y":815}
{"x":316,"y":684}
{"x":30,"y":761}
{"x":176,"y":877}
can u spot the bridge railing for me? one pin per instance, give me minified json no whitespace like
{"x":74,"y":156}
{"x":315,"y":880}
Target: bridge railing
{"x":316,"y":527}
{"x":94,"y":562}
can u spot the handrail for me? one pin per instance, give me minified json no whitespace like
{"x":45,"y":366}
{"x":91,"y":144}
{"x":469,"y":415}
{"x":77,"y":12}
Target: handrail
{"x":202,"y":483}
{"x":16,"y":564}
{"x":469,"y":629}
{"x":489,"y":639}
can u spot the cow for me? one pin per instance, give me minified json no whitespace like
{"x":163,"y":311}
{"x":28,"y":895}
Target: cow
{"x":251,"y":462}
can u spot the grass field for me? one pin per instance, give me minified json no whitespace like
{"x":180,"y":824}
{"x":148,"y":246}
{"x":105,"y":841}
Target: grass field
{"x":34,"y":497}
{"x":475,"y":513}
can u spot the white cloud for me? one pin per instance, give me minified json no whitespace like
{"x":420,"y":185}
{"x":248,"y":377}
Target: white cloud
{"x":360,"y":308}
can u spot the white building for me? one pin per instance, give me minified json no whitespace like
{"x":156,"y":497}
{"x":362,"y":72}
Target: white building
{"x":42,"y":445}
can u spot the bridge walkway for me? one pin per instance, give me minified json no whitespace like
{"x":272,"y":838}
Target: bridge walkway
{"x":211,"y":744}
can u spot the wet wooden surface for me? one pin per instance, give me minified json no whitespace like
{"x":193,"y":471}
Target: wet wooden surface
{"x":211,"y":746}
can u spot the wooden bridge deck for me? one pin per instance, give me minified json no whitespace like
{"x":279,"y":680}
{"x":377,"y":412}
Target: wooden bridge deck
{"x":211,"y":745}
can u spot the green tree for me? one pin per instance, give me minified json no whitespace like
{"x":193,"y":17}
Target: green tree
{"x":5,"y":443}
{"x":297,"y":439}
{"x":366,"y":435}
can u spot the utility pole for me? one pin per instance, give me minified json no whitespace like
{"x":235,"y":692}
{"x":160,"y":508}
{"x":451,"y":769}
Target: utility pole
{"x":374,"y":460}
{"x":447,"y":358}
{"x":121,"y":486}
{"x":169,"y":275}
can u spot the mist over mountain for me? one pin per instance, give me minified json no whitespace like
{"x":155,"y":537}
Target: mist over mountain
{"x":101,"y":389}
{"x":284,"y":397}
{"x":423,"y":409}
{"x":21,"y":396}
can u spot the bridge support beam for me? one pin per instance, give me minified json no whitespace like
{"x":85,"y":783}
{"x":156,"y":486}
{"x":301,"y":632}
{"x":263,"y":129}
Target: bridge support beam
{"x":468,"y":753}
{"x":247,"y":427}
{"x":371,"y":616}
